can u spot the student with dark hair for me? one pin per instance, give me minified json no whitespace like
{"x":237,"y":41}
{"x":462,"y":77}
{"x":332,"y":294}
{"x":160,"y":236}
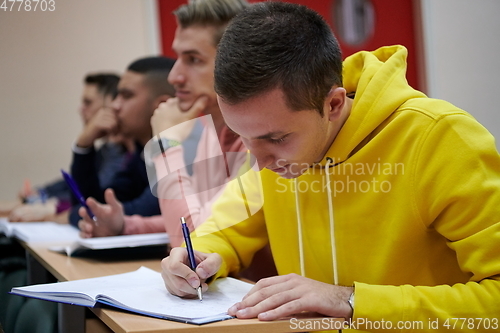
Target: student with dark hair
{"x":45,"y":203}
{"x":380,"y":203}
{"x":218,"y":153}
{"x":141,"y":89}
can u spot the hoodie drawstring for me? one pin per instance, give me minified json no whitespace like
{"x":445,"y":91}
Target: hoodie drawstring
{"x":331,"y":220}
{"x":299,"y":226}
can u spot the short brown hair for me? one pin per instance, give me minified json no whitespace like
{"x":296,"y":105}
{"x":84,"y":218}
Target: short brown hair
{"x":215,"y":13}
{"x":278,"y":45}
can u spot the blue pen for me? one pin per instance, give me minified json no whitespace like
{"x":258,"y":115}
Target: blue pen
{"x":189,"y":247}
{"x":74,"y":188}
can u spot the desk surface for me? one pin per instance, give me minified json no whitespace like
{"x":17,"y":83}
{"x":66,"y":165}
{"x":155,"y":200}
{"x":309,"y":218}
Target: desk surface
{"x":67,"y":268}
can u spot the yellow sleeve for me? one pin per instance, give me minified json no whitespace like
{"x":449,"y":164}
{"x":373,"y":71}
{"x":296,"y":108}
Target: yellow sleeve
{"x":236,"y":229}
{"x":456,"y":192}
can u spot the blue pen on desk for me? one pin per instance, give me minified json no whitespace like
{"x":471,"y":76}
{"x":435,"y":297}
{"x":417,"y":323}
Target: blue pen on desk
{"x":74,"y":188}
{"x":190,"y":251}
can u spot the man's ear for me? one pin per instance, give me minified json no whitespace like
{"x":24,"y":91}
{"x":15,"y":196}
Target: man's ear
{"x":335,"y":102}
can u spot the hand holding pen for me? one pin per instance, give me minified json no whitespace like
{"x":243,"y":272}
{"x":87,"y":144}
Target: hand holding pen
{"x":190,"y":251}
{"x":74,"y":188}
{"x":181,"y":277}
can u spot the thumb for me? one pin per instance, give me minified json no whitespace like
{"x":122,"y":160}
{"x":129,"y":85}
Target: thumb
{"x":109,"y":196}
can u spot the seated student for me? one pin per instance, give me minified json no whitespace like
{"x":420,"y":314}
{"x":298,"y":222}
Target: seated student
{"x":45,"y":203}
{"x":200,"y":26}
{"x":415,"y":239}
{"x":143,"y":86}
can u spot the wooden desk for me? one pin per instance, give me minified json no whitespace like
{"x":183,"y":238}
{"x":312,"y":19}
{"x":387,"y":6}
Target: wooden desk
{"x":66,"y":268}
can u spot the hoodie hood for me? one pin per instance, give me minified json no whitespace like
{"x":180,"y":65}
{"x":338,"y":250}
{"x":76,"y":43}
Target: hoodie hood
{"x":378,"y":80}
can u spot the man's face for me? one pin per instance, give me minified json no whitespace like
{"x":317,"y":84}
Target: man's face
{"x":92,"y":101}
{"x":134,"y":106}
{"x":282,"y":140}
{"x":193,"y":72}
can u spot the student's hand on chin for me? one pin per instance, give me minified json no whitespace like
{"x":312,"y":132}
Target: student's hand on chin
{"x":180,"y":280}
{"x":168,"y":114}
{"x":281,"y":296}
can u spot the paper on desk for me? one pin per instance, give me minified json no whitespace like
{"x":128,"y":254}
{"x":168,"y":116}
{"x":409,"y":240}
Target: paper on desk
{"x":39,"y":231}
{"x":144,"y":292}
{"x":113,"y":242}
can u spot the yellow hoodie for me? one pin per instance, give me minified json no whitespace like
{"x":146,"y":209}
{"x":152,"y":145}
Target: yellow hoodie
{"x":410,"y":202}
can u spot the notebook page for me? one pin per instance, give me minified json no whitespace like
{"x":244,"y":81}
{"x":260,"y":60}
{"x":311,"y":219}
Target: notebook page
{"x":125,"y":241}
{"x":42,"y":231}
{"x":150,"y":296}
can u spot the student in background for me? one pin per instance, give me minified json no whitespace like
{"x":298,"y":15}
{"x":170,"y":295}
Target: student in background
{"x":379,"y":203}
{"x":47,"y":202}
{"x":141,"y":89}
{"x":200,"y":26}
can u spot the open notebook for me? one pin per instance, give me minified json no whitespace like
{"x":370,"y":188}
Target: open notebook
{"x":70,"y":243}
{"x":156,"y":242}
{"x":144,"y":292}
{"x":39,"y":231}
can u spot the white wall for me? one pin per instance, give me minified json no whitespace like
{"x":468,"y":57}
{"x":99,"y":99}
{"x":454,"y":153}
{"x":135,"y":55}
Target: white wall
{"x":44,"y":56}
{"x":43,"y":59}
{"x":462,"y":48}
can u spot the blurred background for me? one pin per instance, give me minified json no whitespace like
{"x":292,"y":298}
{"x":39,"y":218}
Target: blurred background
{"x":44,"y":55}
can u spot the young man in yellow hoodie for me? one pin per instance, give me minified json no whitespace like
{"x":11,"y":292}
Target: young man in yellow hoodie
{"x":381,"y":206}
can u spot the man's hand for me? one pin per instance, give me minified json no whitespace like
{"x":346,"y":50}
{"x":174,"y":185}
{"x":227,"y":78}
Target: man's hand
{"x":168,"y":114}
{"x":34,"y":212}
{"x":110,"y":217}
{"x":104,"y":122}
{"x":280,"y":296}
{"x":180,"y":279}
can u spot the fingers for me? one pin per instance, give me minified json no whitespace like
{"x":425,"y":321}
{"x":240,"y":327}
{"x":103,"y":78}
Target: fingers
{"x":93,"y":205}
{"x":209,"y":264}
{"x":270,"y":307}
{"x":180,"y":279}
{"x":86,"y":228}
{"x":86,"y":224}
{"x":109,"y":196}
{"x":198,"y":106}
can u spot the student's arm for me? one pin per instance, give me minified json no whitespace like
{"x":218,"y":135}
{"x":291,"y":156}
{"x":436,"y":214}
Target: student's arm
{"x":229,"y":232}
{"x":84,"y":172}
{"x":179,"y":196}
{"x":84,"y":167}
{"x":459,"y":198}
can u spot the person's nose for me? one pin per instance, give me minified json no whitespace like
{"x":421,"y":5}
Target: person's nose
{"x":263,"y":156}
{"x":176,"y":75}
{"x":116,"y":105}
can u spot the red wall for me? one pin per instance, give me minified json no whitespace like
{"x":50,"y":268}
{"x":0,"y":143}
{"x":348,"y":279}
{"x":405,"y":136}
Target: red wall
{"x":394,"y":24}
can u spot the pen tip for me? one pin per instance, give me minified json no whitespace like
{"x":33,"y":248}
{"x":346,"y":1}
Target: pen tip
{"x":199,"y":294}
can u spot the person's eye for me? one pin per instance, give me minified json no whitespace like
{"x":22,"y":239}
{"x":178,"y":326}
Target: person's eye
{"x":278,"y":141}
{"x":194,"y":60}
